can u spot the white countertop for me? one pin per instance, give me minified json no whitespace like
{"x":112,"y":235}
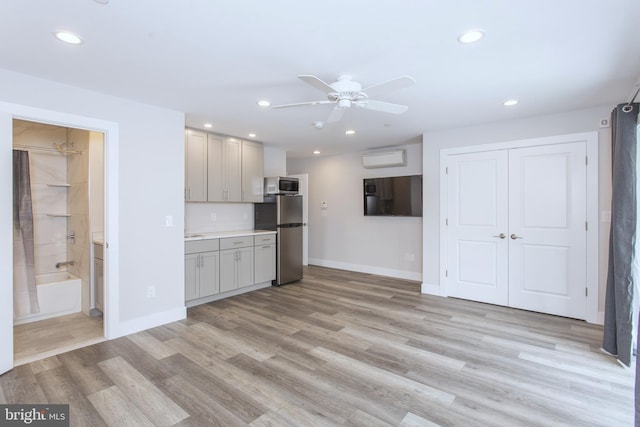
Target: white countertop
{"x":224,"y":234}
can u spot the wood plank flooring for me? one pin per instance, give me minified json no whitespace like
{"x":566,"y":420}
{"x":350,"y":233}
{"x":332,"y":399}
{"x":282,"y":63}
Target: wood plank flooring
{"x":339,"y":349}
{"x":45,"y":338}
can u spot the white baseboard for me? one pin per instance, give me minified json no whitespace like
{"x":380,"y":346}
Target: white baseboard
{"x":142,"y":323}
{"x":400,"y":274}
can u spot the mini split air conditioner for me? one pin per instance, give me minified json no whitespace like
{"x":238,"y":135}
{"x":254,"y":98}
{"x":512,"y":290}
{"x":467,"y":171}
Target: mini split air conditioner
{"x":384,"y":159}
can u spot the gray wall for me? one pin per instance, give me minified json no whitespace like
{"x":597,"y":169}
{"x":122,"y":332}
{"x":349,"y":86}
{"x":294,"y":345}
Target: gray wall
{"x":341,"y":236}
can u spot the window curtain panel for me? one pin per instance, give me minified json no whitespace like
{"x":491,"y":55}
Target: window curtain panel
{"x":619,"y":313}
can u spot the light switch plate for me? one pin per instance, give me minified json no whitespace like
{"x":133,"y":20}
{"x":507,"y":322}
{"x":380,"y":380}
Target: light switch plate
{"x":168,"y":221}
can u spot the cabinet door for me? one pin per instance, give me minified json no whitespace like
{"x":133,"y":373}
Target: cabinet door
{"x":232,"y":170}
{"x":195,"y":166}
{"x":228,"y":275}
{"x":245,"y":267}
{"x":252,"y":171}
{"x":265,"y":263}
{"x":215,"y":181}
{"x":209,"y":273}
{"x":191,"y":288}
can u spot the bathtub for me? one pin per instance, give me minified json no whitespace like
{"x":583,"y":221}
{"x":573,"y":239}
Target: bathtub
{"x":59,"y":293}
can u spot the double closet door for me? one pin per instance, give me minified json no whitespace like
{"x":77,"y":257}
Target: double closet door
{"x":516,"y":233}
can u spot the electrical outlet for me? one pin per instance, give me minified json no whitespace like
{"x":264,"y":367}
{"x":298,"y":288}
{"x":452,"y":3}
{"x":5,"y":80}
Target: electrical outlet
{"x":151,"y":291}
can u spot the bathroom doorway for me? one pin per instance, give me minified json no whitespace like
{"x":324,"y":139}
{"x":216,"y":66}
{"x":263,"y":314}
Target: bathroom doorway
{"x":58,"y":290}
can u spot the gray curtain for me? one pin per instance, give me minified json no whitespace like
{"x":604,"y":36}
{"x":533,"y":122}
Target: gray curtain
{"x":25,"y":294}
{"x":618,"y":315}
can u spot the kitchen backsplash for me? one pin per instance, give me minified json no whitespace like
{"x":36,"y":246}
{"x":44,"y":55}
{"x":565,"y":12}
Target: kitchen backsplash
{"x":212,"y":217}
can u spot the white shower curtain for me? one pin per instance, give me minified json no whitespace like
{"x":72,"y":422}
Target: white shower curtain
{"x":25,"y":295}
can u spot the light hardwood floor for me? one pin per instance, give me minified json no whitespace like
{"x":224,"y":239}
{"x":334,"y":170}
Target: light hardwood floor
{"x":340,"y":348}
{"x":37,"y":340}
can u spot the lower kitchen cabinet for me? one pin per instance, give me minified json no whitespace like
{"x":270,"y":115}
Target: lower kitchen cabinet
{"x":236,"y":263}
{"x":265,"y":258}
{"x":201,"y":269}
{"x":221,"y":267}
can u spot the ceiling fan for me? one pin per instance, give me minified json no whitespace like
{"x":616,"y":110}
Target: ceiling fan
{"x":346,"y":93}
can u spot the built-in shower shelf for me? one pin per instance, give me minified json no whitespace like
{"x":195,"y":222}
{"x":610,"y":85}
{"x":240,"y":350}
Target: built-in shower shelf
{"x":59,"y":185}
{"x":59,"y":214}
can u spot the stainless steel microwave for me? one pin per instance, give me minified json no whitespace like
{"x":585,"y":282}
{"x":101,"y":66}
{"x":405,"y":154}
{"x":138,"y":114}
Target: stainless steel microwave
{"x":281,"y":185}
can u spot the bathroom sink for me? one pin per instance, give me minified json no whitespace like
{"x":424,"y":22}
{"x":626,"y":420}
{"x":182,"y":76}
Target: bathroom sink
{"x":190,"y":235}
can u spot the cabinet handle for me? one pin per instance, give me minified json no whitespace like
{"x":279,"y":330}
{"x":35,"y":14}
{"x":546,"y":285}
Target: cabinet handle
{"x":266,"y":247}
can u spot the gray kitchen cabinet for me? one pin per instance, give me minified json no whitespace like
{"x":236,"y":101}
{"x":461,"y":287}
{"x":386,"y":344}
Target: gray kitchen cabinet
{"x":202,"y":268}
{"x":265,"y":258}
{"x":236,"y":263}
{"x":224,"y":163}
{"x":252,"y":171}
{"x":195,"y":187}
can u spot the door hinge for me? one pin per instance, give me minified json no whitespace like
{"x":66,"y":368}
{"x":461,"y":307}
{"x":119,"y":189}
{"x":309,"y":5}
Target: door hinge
{"x":446,"y":170}
{"x":446,"y":221}
{"x":446,"y":273}
{"x":586,"y":160}
{"x":586,"y":292}
{"x":586,"y":226}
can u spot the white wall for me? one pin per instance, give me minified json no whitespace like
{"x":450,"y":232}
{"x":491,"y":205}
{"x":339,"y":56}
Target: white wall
{"x":275,"y":162}
{"x":150,"y":173}
{"x":341,"y":236}
{"x":557,"y":124}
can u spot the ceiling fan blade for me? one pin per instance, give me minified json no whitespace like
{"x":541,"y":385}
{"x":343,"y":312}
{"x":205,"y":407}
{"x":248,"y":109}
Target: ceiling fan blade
{"x":317,"y":83}
{"x":390,"y":85}
{"x":300,"y":104}
{"x":385,"y":107}
{"x":335,"y":115}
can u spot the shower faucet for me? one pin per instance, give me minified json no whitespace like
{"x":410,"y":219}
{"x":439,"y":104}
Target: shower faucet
{"x":63,"y":263}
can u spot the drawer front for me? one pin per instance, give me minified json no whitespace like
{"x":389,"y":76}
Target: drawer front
{"x":196,"y":246}
{"x":265,"y":239}
{"x":236,"y":242}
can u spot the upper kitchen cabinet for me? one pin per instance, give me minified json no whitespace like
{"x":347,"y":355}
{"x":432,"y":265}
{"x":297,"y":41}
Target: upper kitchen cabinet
{"x":224,"y":166}
{"x":195,"y":189}
{"x":252,"y":171}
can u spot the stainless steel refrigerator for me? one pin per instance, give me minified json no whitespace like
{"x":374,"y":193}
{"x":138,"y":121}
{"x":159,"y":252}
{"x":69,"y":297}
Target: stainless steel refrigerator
{"x":283,"y":213}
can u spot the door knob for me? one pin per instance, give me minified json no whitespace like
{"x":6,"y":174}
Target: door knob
{"x":501,"y":235}
{"x":514,"y":237}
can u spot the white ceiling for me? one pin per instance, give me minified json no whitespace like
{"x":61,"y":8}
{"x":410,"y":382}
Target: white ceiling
{"x":214,"y":59}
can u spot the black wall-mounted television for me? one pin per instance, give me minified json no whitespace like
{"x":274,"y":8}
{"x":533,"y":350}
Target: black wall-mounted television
{"x":393,"y":196}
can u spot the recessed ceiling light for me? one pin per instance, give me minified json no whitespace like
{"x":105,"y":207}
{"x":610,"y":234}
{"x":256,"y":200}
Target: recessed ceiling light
{"x":510,"y":102}
{"x":208,"y":125}
{"x":350,"y":132}
{"x":67,"y":37}
{"x":470,"y":36}
{"x":264,"y":103}
{"x":316,"y":152}
{"x":252,"y":135}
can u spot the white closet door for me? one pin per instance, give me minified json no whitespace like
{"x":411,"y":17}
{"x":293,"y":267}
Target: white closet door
{"x":547,"y":235}
{"x":477,"y":227}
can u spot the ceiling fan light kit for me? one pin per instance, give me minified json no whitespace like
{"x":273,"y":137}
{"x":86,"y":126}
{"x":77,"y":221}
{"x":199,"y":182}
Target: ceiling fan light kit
{"x":346,"y":93}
